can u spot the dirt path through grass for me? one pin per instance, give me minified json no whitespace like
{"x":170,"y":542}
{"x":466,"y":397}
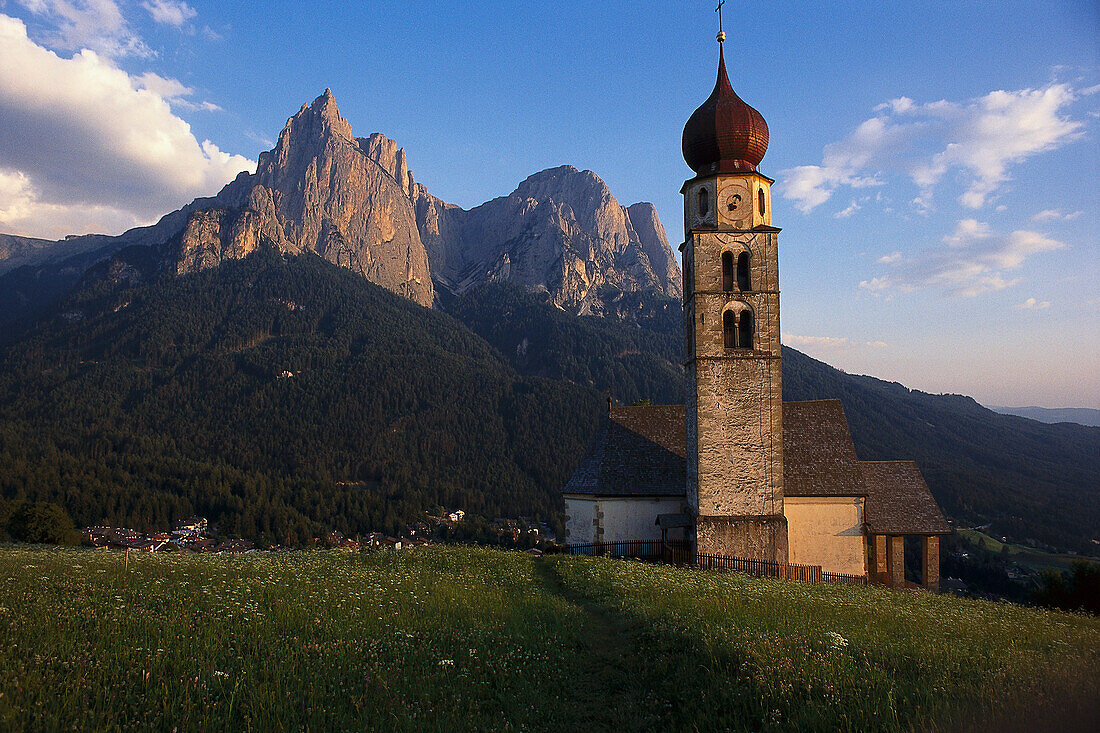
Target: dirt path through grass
{"x":608,"y":693}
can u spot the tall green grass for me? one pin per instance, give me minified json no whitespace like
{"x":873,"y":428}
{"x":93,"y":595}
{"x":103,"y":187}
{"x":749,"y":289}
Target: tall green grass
{"x":776,"y":655}
{"x":444,"y":639}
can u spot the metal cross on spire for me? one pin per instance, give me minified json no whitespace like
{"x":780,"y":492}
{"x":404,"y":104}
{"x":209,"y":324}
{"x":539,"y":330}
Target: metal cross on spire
{"x":721,"y":33}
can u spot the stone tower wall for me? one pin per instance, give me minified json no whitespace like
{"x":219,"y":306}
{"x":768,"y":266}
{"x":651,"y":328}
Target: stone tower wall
{"x":735,"y":397}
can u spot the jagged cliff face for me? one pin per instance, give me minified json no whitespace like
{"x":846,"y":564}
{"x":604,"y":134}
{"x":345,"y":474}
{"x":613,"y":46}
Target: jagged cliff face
{"x":561,"y":230}
{"x":354,"y":202}
{"x":321,"y":190}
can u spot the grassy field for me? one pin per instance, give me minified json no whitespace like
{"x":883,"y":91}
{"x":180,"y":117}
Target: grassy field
{"x":1026,"y":556}
{"x":444,"y":639}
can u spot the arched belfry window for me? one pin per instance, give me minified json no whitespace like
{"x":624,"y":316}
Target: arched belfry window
{"x":729,"y":329}
{"x":727,"y":271}
{"x":760,"y":199}
{"x":704,"y":202}
{"x":744,"y":330}
{"x":743,"y":282}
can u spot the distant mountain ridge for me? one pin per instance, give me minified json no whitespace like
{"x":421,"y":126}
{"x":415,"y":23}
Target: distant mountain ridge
{"x":1081,"y":415}
{"x":354,"y":202}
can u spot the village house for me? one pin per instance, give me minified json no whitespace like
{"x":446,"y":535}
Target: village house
{"x":194,"y":525}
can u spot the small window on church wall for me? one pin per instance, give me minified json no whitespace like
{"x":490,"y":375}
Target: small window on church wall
{"x":704,"y":202}
{"x":760,"y":198}
{"x":729,"y":329}
{"x":743,"y":282}
{"x":727,"y":271}
{"x":744,"y":330}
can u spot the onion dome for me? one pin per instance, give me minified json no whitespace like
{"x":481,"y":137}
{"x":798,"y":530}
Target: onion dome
{"x":724,"y":135}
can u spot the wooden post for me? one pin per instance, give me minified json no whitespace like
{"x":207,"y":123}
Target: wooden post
{"x":896,"y":561}
{"x":930,"y":562}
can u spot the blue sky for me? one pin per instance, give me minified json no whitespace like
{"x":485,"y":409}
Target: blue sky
{"x":936,"y":164}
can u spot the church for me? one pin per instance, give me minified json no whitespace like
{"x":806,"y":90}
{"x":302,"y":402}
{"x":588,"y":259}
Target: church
{"x":737,"y":472}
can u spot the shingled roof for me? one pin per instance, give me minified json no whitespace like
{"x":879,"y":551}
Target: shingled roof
{"x":898,"y":500}
{"x":639,"y":451}
{"x":818,"y":456}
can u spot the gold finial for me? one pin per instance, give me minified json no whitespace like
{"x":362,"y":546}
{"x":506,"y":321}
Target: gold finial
{"x":721,"y":36}
{"x":721,"y":33}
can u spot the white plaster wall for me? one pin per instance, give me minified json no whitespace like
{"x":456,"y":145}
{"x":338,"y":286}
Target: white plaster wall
{"x":635,"y":519}
{"x":826,"y":531}
{"x":579,"y":526}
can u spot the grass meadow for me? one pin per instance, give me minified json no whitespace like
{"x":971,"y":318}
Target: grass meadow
{"x":454,"y":638}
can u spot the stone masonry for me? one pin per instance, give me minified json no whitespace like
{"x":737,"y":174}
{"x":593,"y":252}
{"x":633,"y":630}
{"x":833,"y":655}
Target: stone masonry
{"x":930,"y":562}
{"x":735,"y":398}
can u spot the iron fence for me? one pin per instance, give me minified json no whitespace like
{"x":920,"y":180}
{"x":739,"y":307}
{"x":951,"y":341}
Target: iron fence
{"x":629,"y":549}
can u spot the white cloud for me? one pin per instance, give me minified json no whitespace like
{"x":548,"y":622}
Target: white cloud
{"x":1055,"y":215}
{"x":83,"y":138}
{"x":97,"y":25}
{"x":852,"y":208}
{"x":980,"y":139}
{"x":830,"y":344}
{"x":890,"y":258}
{"x":976,"y":260}
{"x":968,"y":231}
{"x":173,"y":91}
{"x":197,"y":106}
{"x":22,"y":212}
{"x":1033,"y":304}
{"x":164,"y":88}
{"x":876,"y":284}
{"x":169,"y":12}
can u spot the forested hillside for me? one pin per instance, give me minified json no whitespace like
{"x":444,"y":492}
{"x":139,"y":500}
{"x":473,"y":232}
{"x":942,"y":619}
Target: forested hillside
{"x":1030,"y":479}
{"x":279,"y":396}
{"x":633,"y":353}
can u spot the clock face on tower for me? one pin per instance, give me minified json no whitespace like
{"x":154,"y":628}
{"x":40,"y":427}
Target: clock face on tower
{"x":734,"y":203}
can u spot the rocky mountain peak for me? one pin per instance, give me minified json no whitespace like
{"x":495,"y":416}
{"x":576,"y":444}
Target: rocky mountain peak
{"x":354,"y":202}
{"x":562,"y":231}
{"x":391,"y":157}
{"x":306,"y":133}
{"x":321,"y":190}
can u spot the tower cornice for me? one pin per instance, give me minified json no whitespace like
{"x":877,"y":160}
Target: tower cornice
{"x":735,"y":174}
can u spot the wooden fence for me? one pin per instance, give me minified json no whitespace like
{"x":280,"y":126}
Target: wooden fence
{"x":845,"y":578}
{"x":759,"y":568}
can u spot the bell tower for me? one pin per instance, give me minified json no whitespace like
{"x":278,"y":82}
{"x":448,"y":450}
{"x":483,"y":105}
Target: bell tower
{"x":731,"y":329}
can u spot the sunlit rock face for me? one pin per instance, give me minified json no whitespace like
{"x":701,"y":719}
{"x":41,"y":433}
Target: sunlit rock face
{"x":561,"y":230}
{"x":321,"y":190}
